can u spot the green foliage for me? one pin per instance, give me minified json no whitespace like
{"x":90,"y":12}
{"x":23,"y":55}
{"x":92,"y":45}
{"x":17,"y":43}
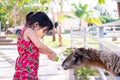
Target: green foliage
{"x":107,"y":19}
{"x":23,"y":2}
{"x":62,"y":17}
{"x":85,"y":72}
{"x":43,"y":2}
{"x":92,"y":20}
{"x":44,"y":5}
{"x":101,"y":1}
{"x":68,"y":51}
{"x":82,"y":12}
{"x":0,"y":5}
{"x":6,"y":12}
{"x":10,"y":8}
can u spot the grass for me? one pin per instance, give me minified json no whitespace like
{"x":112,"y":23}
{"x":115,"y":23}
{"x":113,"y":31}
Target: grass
{"x":48,"y":40}
{"x":12,"y":36}
{"x":66,"y":40}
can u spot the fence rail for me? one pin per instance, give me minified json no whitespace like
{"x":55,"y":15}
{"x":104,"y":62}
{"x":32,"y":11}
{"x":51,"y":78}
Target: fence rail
{"x":80,"y":38}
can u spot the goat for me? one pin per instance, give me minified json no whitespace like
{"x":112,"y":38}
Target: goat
{"x":82,"y":57}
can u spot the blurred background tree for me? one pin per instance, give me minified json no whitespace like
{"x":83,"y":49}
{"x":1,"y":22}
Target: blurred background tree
{"x":15,"y":10}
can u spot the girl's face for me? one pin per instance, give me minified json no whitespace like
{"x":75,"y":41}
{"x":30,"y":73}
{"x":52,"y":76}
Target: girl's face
{"x":40,"y":31}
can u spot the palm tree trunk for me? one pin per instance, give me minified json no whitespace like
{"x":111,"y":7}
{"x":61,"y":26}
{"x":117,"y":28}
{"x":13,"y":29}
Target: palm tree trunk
{"x":53,"y":34}
{"x":60,"y":26}
{"x":59,"y":34}
{"x":118,"y":4}
{"x":53,"y":31}
{"x":15,"y":4}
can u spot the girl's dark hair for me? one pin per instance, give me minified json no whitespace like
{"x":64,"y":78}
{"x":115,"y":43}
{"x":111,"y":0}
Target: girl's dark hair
{"x":40,"y":17}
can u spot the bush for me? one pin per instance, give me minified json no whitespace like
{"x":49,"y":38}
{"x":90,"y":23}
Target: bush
{"x":84,"y":73}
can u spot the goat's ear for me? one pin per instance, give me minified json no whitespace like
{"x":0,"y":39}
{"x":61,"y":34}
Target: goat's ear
{"x":82,"y":49}
{"x":87,"y":55}
{"x":85,"y":52}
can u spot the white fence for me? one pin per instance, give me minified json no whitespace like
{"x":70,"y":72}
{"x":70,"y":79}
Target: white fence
{"x":91,"y":36}
{"x":83,"y":37}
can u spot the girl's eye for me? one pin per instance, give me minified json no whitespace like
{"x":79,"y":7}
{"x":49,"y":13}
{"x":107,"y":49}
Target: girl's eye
{"x":37,"y":28}
{"x":45,"y":31}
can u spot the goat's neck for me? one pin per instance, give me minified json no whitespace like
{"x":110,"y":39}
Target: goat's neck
{"x":95,"y":59}
{"x":96,"y":64}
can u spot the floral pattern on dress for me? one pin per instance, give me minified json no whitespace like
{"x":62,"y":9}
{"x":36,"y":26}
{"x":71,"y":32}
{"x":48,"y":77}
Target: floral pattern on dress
{"x":27,"y":63}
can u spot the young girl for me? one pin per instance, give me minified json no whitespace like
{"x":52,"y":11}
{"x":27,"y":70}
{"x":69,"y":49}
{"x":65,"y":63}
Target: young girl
{"x":30,"y":47}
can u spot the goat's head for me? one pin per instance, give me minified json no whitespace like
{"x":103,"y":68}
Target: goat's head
{"x":76,"y":59}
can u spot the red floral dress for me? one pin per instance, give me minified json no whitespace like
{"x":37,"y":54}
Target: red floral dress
{"x":26,"y":67}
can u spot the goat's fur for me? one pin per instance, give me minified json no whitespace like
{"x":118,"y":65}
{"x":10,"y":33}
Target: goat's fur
{"x":82,"y":57}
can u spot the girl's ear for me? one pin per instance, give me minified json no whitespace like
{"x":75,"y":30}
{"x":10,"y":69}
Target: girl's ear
{"x":36,"y":24}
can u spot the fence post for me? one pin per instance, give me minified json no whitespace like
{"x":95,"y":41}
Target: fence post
{"x":0,"y":28}
{"x":102,"y":75}
{"x":71,"y":37}
{"x":100,"y":36}
{"x":84,"y":30}
{"x":71,"y":74}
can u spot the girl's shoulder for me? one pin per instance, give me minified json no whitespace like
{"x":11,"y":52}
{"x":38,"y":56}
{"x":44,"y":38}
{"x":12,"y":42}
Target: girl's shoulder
{"x":25,"y":33}
{"x":29,"y":33}
{"x":28,"y":30}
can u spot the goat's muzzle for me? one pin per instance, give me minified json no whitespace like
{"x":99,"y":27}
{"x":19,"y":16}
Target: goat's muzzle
{"x":65,"y":67}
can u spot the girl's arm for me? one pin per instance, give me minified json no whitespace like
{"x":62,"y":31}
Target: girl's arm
{"x":42,"y":47}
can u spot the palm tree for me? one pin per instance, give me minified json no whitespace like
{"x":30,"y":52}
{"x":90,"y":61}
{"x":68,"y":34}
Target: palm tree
{"x":6,"y":9}
{"x":59,"y":13}
{"x":13,"y":8}
{"x":10,"y":8}
{"x":60,"y":24}
{"x":82,"y":12}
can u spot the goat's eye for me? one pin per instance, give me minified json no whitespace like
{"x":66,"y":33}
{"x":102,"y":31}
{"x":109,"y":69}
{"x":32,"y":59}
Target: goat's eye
{"x":75,"y":55}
